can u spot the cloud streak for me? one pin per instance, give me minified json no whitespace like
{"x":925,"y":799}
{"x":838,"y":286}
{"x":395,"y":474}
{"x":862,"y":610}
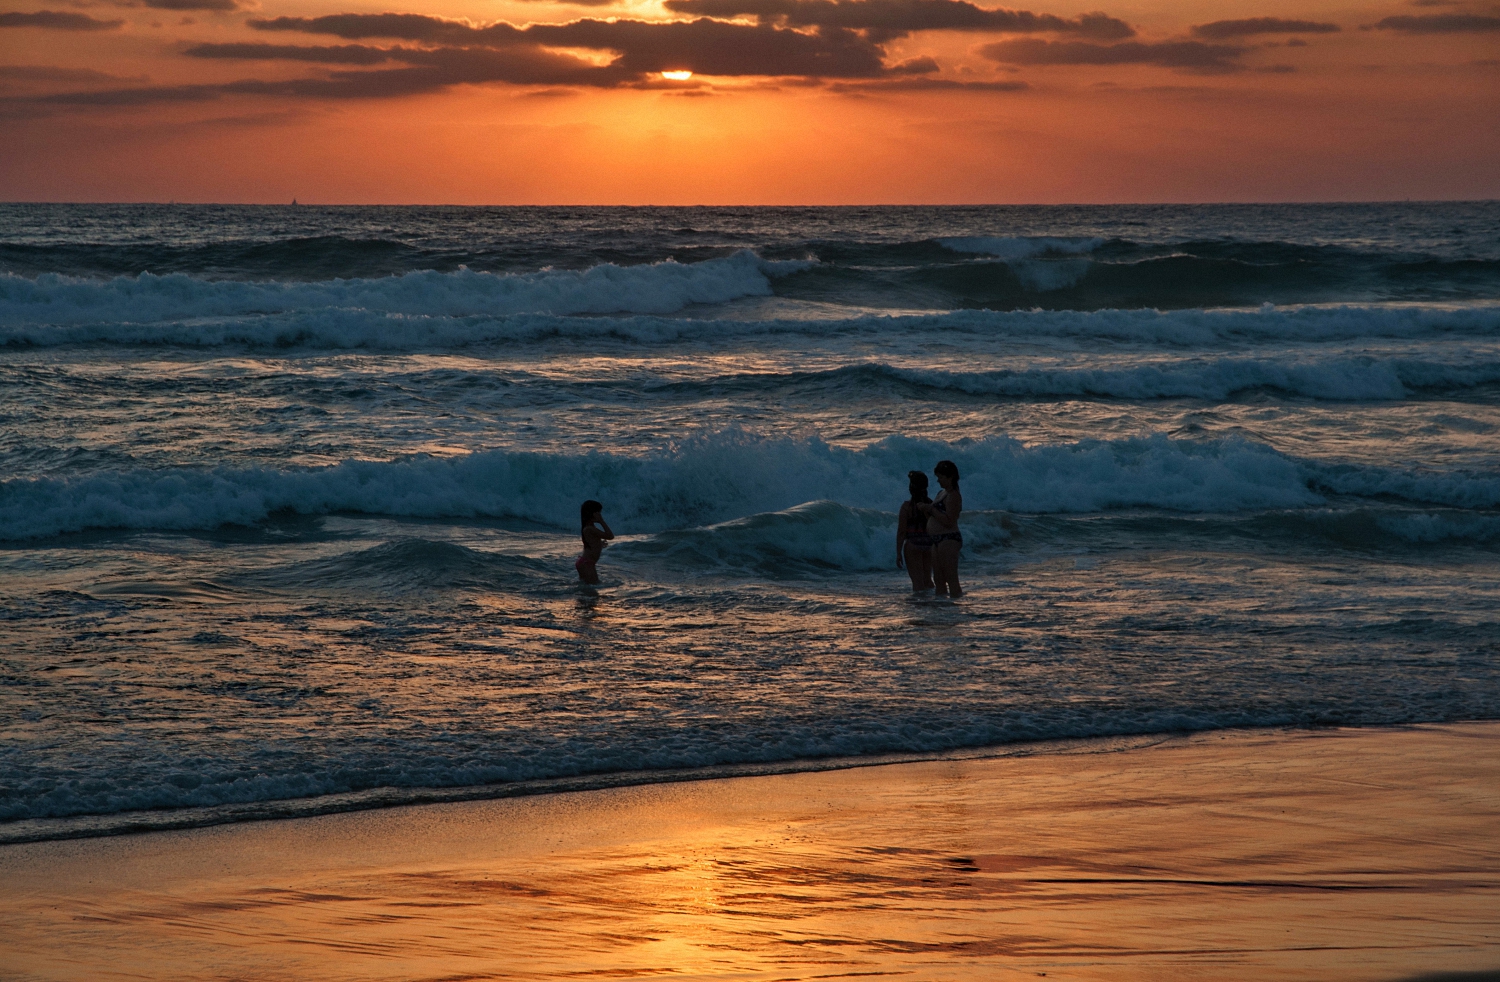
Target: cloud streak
{"x":52,"y":73}
{"x":221,"y":5}
{"x":1193,"y":56}
{"x":1441,"y":24}
{"x":401,"y":27}
{"x":338,"y":54}
{"x":889,"y":19}
{"x":58,"y":21}
{"x":927,"y":85}
{"x":1221,"y":30}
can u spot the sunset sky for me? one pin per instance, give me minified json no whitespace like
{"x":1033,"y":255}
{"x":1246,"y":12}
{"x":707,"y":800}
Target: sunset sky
{"x":789,"y":101}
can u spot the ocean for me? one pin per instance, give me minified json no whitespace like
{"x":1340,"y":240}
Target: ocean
{"x":289,"y":495}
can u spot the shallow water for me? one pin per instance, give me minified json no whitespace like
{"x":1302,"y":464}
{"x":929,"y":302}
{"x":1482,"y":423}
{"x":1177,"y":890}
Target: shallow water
{"x":288,"y":494}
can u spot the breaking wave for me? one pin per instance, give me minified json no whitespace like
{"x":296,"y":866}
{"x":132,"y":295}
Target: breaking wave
{"x":1357,"y":379}
{"x":205,"y":315}
{"x":726,"y":476}
{"x":128,"y":302}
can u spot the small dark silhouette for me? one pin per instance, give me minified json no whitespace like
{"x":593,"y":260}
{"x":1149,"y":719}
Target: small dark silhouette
{"x":913,"y":544}
{"x":591,"y":514}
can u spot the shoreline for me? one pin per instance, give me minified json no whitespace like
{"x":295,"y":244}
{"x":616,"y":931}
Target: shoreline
{"x":147,"y":821}
{"x":1339,"y":855}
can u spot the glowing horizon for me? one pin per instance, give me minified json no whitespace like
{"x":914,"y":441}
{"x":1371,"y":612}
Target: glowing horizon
{"x":772,"y":101}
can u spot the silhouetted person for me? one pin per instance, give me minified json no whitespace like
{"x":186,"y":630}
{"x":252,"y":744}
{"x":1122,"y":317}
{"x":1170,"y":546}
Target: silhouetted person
{"x":591,"y":513}
{"x":942,"y":525}
{"x":913,"y":544}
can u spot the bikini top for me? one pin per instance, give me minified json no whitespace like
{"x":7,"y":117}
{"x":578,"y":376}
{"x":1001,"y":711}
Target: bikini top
{"x":941,"y":504}
{"x":915,"y":520}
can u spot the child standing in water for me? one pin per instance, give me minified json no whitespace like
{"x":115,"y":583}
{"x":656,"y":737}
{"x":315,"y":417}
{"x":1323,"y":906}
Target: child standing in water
{"x":591,"y":513}
{"x":913,"y":544}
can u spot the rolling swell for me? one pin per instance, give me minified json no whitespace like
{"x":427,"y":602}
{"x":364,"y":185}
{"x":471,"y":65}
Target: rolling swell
{"x":1014,"y":273}
{"x":52,"y":300}
{"x":80,"y":312}
{"x":1353,"y":379}
{"x":294,"y":259}
{"x":725,"y":476}
{"x":407,"y":566}
{"x":73,"y":282}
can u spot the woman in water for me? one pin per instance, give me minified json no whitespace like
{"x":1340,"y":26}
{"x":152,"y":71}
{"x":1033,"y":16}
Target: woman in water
{"x":592,"y":513}
{"x":912,"y":541}
{"x":942,"y":526}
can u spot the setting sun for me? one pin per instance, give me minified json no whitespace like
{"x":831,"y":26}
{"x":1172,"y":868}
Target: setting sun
{"x":677,"y":76}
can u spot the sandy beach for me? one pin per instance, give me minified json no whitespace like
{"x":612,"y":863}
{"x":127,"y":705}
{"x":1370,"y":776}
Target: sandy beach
{"x":1361,"y":854}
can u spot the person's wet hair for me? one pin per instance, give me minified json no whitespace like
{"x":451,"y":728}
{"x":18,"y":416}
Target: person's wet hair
{"x":949,"y":468}
{"x":917,"y":485}
{"x":587,"y":511}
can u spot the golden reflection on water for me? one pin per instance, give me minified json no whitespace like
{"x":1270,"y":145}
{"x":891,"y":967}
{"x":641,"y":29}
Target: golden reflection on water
{"x":1356,"y":855}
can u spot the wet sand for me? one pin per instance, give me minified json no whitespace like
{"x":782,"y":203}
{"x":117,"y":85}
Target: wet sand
{"x":1330,"y":855}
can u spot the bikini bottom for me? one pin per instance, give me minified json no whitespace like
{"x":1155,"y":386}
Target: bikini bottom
{"x":583,"y":564}
{"x":919,"y":540}
{"x":945,"y":536}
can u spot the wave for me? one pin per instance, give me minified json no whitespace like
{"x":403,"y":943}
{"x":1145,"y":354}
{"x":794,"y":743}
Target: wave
{"x":1362,"y":378}
{"x":406,"y":565}
{"x":302,"y":258}
{"x":103,"y":313}
{"x":54,"y":300}
{"x":1022,"y":246}
{"x":1348,"y":525}
{"x":719,"y":477}
{"x":816,"y":537}
{"x":465,"y":766}
{"x":464,"y":305}
{"x":1092,"y":273}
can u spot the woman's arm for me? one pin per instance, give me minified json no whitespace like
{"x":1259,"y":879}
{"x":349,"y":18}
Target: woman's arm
{"x":608,"y":533}
{"x":901,"y":530}
{"x":947,"y":516}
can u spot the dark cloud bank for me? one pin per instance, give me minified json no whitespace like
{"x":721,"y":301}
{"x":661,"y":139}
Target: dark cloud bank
{"x":58,"y":21}
{"x":842,"y":44}
{"x":1221,"y":29}
{"x":1442,"y":24}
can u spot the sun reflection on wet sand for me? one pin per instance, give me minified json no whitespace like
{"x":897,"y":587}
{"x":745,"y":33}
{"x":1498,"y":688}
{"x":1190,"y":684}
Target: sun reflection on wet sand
{"x":1363,"y":854}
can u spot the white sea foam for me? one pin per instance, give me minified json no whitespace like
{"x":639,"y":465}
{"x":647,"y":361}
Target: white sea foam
{"x":1041,"y":263}
{"x":815,"y":535}
{"x":721,"y":477}
{"x":131,"y":301}
{"x":51,"y":313}
{"x":1021,"y":246}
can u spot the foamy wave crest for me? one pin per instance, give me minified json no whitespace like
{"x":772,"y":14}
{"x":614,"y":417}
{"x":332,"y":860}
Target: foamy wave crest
{"x":1039,"y":262}
{"x":818,"y":535}
{"x":720,"y":477}
{"x":657,"y":288}
{"x":1021,"y":246}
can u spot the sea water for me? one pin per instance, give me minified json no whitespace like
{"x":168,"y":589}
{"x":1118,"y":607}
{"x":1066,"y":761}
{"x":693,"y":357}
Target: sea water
{"x":289,"y":495}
